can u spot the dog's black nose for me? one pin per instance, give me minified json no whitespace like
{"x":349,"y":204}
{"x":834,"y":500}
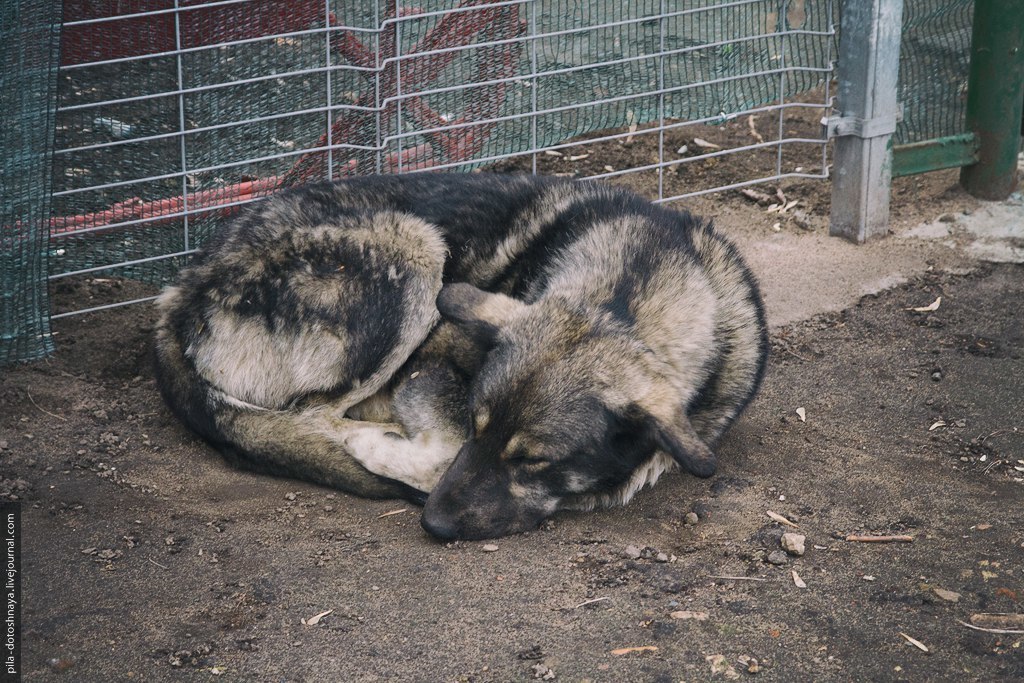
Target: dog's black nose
{"x":438,"y":527}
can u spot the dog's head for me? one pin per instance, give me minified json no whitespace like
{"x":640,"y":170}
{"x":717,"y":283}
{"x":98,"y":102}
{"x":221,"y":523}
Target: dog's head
{"x":566,"y":404}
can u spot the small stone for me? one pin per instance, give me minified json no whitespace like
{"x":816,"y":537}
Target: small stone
{"x":793,"y":544}
{"x":489,"y":548}
{"x":948,"y":596}
{"x":542,"y":672}
{"x":777,"y":557}
{"x":937,"y":376}
{"x":60,"y":664}
{"x":631,"y":552}
{"x":661,"y":557}
{"x":289,"y":496}
{"x":689,"y":614}
{"x":692,"y":518}
{"x":3,"y":446}
{"x":947,"y":218}
{"x":753,"y":666}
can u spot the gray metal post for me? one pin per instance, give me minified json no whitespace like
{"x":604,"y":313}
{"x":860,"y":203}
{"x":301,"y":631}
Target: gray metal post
{"x":869,"y":57}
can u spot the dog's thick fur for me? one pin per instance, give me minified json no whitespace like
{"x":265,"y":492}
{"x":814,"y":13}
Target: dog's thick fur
{"x":511,"y":345}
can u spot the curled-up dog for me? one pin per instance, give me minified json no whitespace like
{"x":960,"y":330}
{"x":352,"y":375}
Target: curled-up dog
{"x":509,"y":345}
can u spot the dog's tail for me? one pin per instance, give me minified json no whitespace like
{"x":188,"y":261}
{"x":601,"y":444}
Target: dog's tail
{"x":265,"y":343}
{"x":304,"y":442}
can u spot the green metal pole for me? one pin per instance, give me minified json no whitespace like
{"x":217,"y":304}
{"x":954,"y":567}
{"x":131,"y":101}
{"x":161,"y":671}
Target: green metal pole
{"x":995,"y":97}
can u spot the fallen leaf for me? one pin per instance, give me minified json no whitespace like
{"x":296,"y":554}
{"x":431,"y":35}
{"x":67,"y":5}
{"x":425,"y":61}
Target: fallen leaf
{"x":687,"y":614}
{"x":933,"y":306}
{"x":1004,"y":620}
{"x":948,"y":596}
{"x":797,"y":580}
{"x":988,"y":575}
{"x":626,"y":650}
{"x":802,"y":414}
{"x":704,"y":144}
{"x":983,"y":527}
{"x":915,"y":642}
{"x":781,"y":520}
{"x":936,"y":425}
{"x":1006,"y":593}
{"x":313,"y":621}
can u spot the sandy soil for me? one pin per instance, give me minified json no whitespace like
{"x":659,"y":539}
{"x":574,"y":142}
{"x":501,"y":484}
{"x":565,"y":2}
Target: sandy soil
{"x":147,"y":558}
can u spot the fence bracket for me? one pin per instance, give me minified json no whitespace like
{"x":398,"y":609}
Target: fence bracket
{"x":865,"y":129}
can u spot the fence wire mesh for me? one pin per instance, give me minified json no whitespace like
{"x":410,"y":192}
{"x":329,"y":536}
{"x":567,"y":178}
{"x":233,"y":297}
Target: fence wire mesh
{"x":173,"y":113}
{"x":934,"y":56}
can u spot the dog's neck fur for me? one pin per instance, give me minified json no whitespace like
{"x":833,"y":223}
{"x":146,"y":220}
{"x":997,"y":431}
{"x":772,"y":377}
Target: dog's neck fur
{"x":645,"y":475}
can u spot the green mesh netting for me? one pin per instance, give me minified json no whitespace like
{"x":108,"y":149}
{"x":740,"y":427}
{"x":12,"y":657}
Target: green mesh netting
{"x":29,"y":47}
{"x":934,"y":55}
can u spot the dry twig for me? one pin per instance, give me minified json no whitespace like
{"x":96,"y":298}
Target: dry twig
{"x":752,"y":124}
{"x":755,"y":196}
{"x":591,"y":602}
{"x":879,"y":539}
{"x":1002,"y":631}
{"x":46,"y":412}
{"x":626,"y":650}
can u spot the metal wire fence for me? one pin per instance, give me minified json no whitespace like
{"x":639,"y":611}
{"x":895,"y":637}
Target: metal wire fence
{"x":171,"y":114}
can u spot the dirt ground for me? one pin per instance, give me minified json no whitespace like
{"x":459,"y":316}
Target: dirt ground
{"x":147,"y":558}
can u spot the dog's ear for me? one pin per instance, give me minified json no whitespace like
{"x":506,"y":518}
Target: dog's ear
{"x":677,"y":437}
{"x":479,"y":312}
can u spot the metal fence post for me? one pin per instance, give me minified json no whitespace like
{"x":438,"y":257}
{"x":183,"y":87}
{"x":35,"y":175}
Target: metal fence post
{"x":869,"y":55}
{"x":995,"y":97}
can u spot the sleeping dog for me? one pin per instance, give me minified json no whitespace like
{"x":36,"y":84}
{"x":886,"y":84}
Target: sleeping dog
{"x":509,"y":345}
